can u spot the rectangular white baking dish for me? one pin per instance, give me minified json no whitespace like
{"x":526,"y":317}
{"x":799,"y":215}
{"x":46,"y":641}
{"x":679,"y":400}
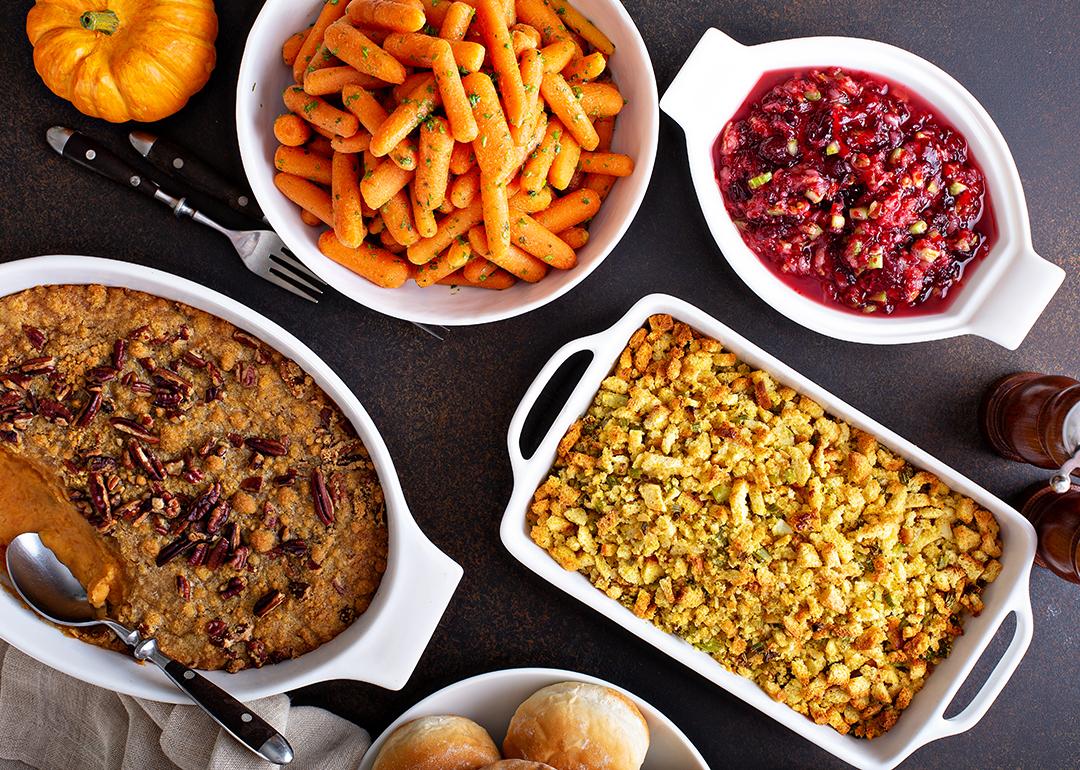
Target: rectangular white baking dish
{"x":924,"y":720}
{"x":385,"y":643}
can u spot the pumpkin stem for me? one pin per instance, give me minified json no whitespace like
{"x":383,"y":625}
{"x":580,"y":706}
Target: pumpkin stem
{"x":100,"y":21}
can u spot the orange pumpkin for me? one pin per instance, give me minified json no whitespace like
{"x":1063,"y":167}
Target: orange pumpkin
{"x":124,"y":59}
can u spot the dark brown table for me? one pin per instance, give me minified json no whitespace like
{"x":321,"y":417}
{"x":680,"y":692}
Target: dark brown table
{"x":1020,"y":61}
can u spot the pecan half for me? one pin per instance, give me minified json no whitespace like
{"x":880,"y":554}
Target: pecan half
{"x":90,"y":410}
{"x":239,"y":558}
{"x":102,"y":374}
{"x":34,"y":335}
{"x":296,"y":547}
{"x":183,"y":587}
{"x":252,"y":484}
{"x":169,"y":378}
{"x":217,"y":517}
{"x":233,"y":588}
{"x":145,"y":458}
{"x":39,"y":365}
{"x":119,"y":354}
{"x":204,"y":503}
{"x":198,"y":555}
{"x":177,"y":547}
{"x":99,"y":496}
{"x":324,"y":505}
{"x":268,"y":603}
{"x":132,"y":428}
{"x":247,"y":340}
{"x":194,"y":360}
{"x":218,"y":554}
{"x":266,"y":446}
{"x":55,"y":411}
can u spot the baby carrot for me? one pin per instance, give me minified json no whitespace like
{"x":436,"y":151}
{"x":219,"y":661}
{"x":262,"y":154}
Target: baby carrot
{"x":306,"y":195}
{"x":524,"y":37}
{"x":453,"y":225}
{"x":536,"y":13}
{"x":318,"y":112}
{"x":570,"y":210}
{"x":478,"y":269}
{"x":564,"y":165}
{"x":377,"y":265}
{"x":514,"y":260}
{"x":331,"y":80}
{"x":600,"y":100}
{"x":397,"y":214}
{"x":608,"y":163}
{"x":303,"y":163}
{"x":586,"y":68}
{"x":602,"y":183}
{"x":423,"y":218}
{"x":538,"y":165}
{"x":464,"y":188}
{"x":354,"y":47}
{"x":426,"y":51}
{"x":331,"y":12}
{"x":388,"y":14}
{"x":290,"y":49}
{"x":363,"y":104}
{"x":382,"y":182}
{"x":409,"y":114}
{"x":491,"y":16}
{"x":534,"y":238}
{"x":532,"y":73}
{"x":291,"y":130}
{"x":358,"y":142}
{"x":557,"y":55}
{"x":345,"y":191}
{"x":462,"y":158}
{"x":531,"y":202}
{"x":493,"y":146}
{"x":574,"y":237}
{"x":580,"y":24}
{"x":435,"y":11}
{"x":498,"y":280}
{"x":320,"y":145}
{"x":456,"y":22}
{"x":496,"y":217}
{"x":562,"y":101}
{"x":310,"y":219}
{"x":433,"y":166}
{"x":453,"y":259}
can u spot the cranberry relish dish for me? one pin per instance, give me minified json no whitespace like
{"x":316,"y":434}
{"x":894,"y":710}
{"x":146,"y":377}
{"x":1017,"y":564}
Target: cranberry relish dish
{"x":853,"y":191}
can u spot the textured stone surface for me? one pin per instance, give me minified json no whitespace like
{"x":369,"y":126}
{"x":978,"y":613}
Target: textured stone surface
{"x":443,"y":408}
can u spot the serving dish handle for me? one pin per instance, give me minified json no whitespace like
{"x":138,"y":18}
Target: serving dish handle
{"x":696,"y":79}
{"x":588,"y":344}
{"x":1017,"y":300}
{"x":1020,"y":606}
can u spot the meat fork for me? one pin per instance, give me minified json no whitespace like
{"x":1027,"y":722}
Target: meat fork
{"x":263,"y":251}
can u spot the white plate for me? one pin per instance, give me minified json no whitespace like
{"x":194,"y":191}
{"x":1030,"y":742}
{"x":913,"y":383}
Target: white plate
{"x":385,"y":643}
{"x":491,"y":700}
{"x":1002,"y":295}
{"x":923,"y":721}
{"x":258,"y":101}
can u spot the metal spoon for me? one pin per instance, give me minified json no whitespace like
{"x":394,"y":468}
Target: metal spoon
{"x":50,"y":589}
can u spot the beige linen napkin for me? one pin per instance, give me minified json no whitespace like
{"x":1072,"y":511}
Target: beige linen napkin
{"x":50,"y":721}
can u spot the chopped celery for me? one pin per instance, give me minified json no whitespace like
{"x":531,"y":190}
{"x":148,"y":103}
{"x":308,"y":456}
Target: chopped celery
{"x":757,"y":181}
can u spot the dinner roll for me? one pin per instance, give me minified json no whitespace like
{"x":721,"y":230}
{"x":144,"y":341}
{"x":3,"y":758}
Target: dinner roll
{"x":578,"y":726}
{"x":437,"y":743}
{"x":518,"y":764}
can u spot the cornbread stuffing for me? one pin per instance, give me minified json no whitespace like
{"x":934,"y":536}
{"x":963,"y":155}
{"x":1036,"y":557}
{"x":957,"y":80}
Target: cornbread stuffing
{"x":732,"y":511}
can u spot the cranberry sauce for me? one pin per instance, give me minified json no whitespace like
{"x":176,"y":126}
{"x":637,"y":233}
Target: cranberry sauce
{"x":853,"y":191}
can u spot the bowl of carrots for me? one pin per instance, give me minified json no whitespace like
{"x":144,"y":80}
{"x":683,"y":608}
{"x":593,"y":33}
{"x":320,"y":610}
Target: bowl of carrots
{"x":446,"y":161}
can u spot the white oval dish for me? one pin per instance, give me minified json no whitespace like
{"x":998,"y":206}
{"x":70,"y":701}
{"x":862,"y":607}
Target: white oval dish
{"x":1000,"y":298}
{"x":491,"y":700}
{"x":924,"y":720}
{"x":263,"y":77}
{"x":385,"y":643}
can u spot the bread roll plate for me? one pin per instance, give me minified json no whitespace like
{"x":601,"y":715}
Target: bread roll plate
{"x":491,"y":700}
{"x":924,"y":720}
{"x":385,"y":643}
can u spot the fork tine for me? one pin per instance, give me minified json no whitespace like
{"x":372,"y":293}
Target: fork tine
{"x":287,"y":271}
{"x":279,"y":280}
{"x":290,"y":259}
{"x":429,"y":330}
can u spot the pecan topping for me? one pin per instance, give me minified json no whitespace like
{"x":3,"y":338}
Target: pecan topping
{"x":102,"y":374}
{"x":177,"y":547}
{"x":194,"y":360}
{"x":119,"y":354}
{"x":34,"y":335}
{"x":298,"y":589}
{"x":170,"y":379}
{"x":232,"y":588}
{"x":266,"y":446}
{"x":99,"y":496}
{"x":54,"y":410}
{"x":132,"y":428}
{"x":217,"y":554}
{"x":183,"y":587}
{"x":216,"y":519}
{"x":89,"y":412}
{"x":246,"y":339}
{"x":167,"y":398}
{"x":252,"y":484}
{"x":324,"y":506}
{"x":145,"y":458}
{"x":246,"y":374}
{"x":296,"y":547}
{"x":287,"y":478}
{"x":215,"y":630}
{"x":39,"y":365}
{"x":198,"y":555}
{"x":98,"y":463}
{"x":268,"y":602}
{"x":204,"y":503}
{"x":239,"y":559}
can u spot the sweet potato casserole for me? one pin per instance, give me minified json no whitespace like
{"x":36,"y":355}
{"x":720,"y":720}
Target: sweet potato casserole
{"x":199,"y":484}
{"x":732,"y":511}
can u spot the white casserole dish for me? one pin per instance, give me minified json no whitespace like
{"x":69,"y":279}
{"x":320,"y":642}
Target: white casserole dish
{"x":385,"y":643}
{"x":263,"y":77}
{"x":923,"y":721}
{"x":1001,"y":296}
{"x":491,"y":700}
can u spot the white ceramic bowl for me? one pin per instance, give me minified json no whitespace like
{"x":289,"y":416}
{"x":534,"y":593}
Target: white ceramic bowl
{"x":1001,"y":297}
{"x":258,"y":101}
{"x":491,"y":700}
{"x":383,"y":646}
{"x":923,"y":721}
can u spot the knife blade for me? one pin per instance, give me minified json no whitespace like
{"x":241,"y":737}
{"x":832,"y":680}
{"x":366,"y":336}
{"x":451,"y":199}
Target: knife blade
{"x":187,"y":167}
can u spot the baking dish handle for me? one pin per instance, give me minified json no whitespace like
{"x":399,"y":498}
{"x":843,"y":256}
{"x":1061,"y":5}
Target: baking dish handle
{"x":683,"y":98}
{"x":528,"y":401}
{"x":1017,"y":299}
{"x":998,"y":678}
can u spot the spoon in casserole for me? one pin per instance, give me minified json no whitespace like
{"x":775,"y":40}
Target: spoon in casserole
{"x":50,"y":589}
